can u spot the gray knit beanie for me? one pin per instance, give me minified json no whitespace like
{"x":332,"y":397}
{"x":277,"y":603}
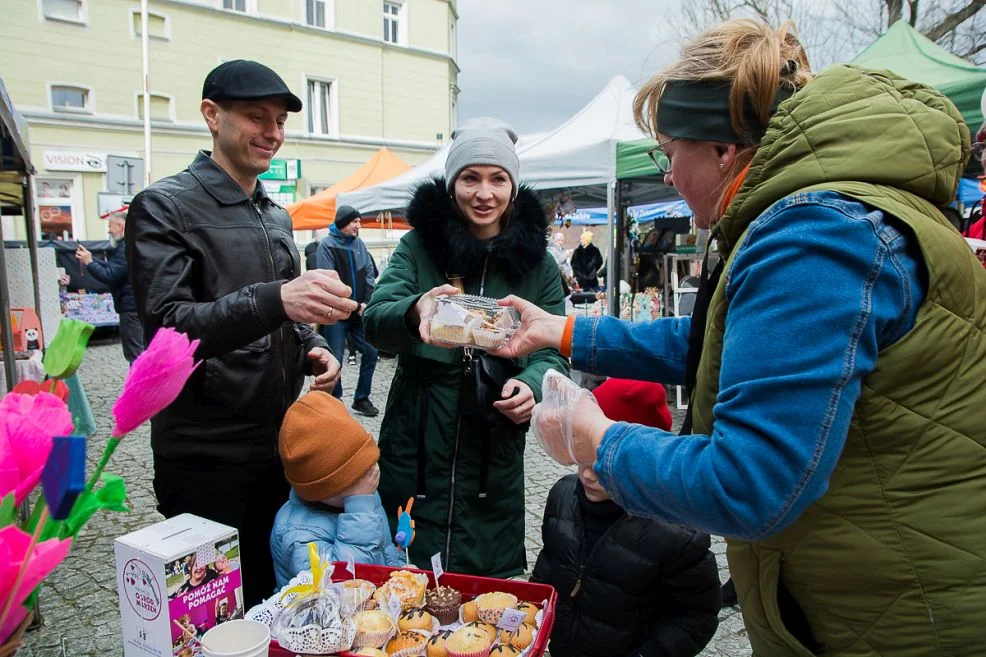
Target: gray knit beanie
{"x":482,"y":141}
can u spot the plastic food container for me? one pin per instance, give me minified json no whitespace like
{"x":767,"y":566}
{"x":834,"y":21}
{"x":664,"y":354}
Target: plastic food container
{"x":464,"y":320}
{"x":470,"y":586}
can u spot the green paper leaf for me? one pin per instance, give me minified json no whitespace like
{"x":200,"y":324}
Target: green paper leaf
{"x":64,"y":353}
{"x":8,"y":510}
{"x":110,"y":496}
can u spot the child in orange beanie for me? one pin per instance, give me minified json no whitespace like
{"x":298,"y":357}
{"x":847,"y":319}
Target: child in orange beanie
{"x":331,"y":463}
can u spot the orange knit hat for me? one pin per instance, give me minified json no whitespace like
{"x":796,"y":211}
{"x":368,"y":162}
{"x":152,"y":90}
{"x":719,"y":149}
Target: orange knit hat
{"x":324,"y":449}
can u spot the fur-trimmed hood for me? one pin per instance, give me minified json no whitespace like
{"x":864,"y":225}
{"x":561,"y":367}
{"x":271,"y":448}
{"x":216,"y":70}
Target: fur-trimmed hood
{"x":515,"y":252}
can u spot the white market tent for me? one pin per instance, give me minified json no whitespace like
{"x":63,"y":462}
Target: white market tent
{"x":577,"y":160}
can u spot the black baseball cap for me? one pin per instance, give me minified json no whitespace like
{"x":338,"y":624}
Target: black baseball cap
{"x":242,"y":79}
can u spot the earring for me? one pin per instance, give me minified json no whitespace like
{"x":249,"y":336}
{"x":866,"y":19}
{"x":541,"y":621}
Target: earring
{"x":721,"y":165}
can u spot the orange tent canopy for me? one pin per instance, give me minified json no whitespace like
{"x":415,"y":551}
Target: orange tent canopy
{"x":319,"y":210}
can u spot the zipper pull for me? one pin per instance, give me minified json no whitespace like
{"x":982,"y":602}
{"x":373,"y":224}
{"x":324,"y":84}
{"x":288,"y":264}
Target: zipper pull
{"x":578,"y":587}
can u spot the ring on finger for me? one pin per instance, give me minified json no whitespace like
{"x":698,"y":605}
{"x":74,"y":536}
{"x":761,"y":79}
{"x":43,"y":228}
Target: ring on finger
{"x":331,"y":312}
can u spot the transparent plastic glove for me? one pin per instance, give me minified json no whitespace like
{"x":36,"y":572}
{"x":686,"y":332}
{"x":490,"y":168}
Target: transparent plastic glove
{"x":558,"y":418}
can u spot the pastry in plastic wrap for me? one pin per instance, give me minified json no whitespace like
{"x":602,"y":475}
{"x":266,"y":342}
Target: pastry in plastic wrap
{"x":316,"y":622}
{"x":465,"y":320}
{"x":361,"y":591}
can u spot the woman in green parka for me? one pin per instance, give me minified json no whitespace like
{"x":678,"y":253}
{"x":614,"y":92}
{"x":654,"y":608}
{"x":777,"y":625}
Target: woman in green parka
{"x":476,"y":228}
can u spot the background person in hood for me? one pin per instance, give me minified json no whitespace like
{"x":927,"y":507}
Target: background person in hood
{"x":345,"y":253}
{"x":836,"y":356}
{"x":464,"y":463}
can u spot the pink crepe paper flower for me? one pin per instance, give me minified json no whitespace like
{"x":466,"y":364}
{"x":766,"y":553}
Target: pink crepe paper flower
{"x":27,"y":425}
{"x":155,"y":379}
{"x":43,"y":559}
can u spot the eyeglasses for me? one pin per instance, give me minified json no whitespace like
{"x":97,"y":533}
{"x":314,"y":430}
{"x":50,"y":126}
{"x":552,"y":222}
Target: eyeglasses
{"x":661,"y":159}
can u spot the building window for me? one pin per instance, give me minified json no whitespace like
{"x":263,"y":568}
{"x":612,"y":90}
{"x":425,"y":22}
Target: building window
{"x":160,"y":107}
{"x":321,"y":105}
{"x":157,"y":25}
{"x":235,"y":5}
{"x":64,"y":10}
{"x":68,"y":98}
{"x":55,"y":208}
{"x":391,"y":21}
{"x":315,"y":12}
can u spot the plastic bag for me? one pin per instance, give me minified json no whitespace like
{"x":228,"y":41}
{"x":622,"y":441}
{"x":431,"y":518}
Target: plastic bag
{"x":318,"y":619}
{"x":552,"y":419}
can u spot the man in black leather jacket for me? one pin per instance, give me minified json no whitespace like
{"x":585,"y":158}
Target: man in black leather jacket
{"x":212,"y":256}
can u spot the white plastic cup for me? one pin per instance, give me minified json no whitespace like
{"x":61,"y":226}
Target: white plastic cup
{"x":237,"y":638}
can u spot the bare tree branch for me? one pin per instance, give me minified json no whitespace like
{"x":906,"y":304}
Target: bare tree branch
{"x":954,"y":19}
{"x":913,"y":7}
{"x":895,"y":9}
{"x":973,"y":50}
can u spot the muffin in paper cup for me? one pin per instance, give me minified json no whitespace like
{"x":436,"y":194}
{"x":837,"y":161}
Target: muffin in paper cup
{"x":373,"y":629}
{"x":367,"y":651}
{"x":418,"y":619}
{"x":490,"y":606}
{"x":468,"y":642}
{"x":408,"y":644}
{"x":443,"y":603}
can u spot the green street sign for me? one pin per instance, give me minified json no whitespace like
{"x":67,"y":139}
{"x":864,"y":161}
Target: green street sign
{"x":282,"y":170}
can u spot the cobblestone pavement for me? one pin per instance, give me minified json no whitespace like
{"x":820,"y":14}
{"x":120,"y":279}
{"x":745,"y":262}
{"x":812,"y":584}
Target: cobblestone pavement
{"x":79,"y":601}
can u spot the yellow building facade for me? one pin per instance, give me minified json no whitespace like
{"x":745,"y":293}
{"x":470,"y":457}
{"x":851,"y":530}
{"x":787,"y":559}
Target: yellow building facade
{"x":371,"y":73}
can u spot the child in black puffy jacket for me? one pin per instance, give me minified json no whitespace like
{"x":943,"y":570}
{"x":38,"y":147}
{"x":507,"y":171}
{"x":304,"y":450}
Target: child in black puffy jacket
{"x":626,"y":585}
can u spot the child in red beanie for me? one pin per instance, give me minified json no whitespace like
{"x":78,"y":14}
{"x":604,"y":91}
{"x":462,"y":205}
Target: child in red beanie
{"x":626,"y":585}
{"x":636,"y":402}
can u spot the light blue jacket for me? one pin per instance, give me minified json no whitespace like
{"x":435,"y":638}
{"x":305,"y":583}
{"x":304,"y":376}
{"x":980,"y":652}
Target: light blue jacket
{"x":820,"y":286}
{"x":361,"y":533}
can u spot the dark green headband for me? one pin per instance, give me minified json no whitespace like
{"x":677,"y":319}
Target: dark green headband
{"x":700,"y":111}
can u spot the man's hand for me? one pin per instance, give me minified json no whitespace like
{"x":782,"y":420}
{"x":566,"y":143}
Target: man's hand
{"x":326,"y":369}
{"x":518,"y":401}
{"x":83,"y":255}
{"x":317,"y":297}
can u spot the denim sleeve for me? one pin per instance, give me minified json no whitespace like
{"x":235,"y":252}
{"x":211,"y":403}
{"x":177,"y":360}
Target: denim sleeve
{"x":815,"y":291}
{"x":644,"y":351}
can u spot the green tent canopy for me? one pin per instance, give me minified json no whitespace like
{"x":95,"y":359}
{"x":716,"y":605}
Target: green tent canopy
{"x":907,"y":52}
{"x":632,"y":160}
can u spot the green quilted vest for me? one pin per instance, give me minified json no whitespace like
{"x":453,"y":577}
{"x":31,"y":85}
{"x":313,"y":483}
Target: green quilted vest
{"x":891,"y":561}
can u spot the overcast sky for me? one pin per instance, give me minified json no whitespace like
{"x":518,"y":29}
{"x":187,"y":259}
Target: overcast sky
{"x":534,"y":63}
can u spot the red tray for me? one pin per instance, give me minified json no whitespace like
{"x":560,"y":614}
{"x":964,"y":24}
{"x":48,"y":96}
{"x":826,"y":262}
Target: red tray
{"x":469,"y":586}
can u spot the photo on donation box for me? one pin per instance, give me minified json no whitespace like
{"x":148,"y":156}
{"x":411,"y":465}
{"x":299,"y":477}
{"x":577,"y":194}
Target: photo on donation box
{"x":204,"y":590}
